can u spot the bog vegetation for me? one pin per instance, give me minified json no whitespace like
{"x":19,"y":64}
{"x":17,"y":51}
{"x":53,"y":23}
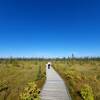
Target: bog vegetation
{"x":82,"y":77}
{"x":21,"y":79}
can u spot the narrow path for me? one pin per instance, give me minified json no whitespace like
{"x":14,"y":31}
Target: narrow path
{"x":54,"y":88}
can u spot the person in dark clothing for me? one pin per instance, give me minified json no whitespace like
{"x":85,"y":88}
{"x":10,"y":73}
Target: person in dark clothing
{"x":48,"y":66}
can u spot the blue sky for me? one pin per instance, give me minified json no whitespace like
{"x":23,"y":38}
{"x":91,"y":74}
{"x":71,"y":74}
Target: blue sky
{"x":49,"y":28}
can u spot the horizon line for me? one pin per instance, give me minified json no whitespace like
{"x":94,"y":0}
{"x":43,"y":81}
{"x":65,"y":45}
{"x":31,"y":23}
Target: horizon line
{"x":45,"y":57}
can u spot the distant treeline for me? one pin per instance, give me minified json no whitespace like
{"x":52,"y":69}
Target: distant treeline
{"x":50,"y":59}
{"x":21,"y":58}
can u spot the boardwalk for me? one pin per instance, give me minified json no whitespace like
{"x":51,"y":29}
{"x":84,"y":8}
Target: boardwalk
{"x":54,"y":88}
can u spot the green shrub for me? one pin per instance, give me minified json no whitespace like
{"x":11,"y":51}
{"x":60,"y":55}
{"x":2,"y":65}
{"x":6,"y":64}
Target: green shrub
{"x":72,"y":74}
{"x":86,"y":92}
{"x":3,"y":86}
{"x":31,"y":92}
{"x":98,"y":77}
{"x":69,"y":74}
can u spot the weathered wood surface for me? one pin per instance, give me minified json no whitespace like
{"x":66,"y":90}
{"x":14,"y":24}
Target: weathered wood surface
{"x":54,"y":88}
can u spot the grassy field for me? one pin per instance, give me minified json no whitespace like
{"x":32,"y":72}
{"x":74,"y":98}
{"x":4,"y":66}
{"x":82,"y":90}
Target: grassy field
{"x":16,"y":74}
{"x":81,"y":76}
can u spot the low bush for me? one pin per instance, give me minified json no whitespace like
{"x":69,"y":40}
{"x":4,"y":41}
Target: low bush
{"x":86,"y":92}
{"x":72,"y":74}
{"x":98,"y":77}
{"x":3,"y":86}
{"x":31,"y":92}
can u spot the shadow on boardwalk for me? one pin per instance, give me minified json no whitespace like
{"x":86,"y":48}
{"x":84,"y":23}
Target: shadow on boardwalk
{"x":54,"y":88}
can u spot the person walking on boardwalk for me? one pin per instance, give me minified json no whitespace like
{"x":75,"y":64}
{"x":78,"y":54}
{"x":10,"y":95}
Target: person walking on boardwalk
{"x":49,"y":65}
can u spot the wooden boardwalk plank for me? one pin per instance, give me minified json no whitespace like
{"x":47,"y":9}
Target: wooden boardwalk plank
{"x":54,"y":88}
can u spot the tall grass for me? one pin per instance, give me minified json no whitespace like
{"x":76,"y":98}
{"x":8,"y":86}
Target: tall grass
{"x":77,"y":73}
{"x":15,"y":74}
